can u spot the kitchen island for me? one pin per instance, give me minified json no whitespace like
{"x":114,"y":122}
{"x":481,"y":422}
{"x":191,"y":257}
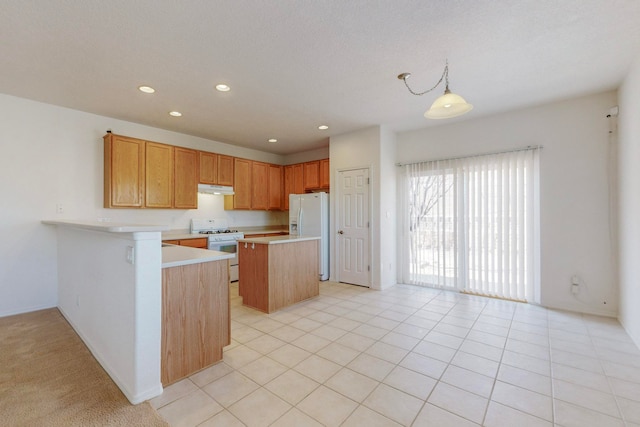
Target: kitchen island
{"x":278,"y":271}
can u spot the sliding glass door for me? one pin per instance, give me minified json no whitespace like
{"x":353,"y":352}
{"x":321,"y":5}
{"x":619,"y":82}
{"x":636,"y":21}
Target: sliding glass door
{"x":470,"y":224}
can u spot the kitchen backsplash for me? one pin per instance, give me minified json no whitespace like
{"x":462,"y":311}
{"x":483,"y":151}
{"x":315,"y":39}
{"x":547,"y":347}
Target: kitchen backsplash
{"x":209,"y":206}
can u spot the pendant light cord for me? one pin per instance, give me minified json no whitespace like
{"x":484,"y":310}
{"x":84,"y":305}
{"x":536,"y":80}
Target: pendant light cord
{"x":445,"y":76}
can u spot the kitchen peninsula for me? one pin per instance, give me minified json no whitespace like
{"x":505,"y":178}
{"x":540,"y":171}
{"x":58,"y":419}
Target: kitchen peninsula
{"x":196,"y":322}
{"x":277,"y":271}
{"x":110,"y":289}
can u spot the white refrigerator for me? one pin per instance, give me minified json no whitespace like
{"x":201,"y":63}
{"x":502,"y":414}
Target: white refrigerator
{"x":309,"y":216}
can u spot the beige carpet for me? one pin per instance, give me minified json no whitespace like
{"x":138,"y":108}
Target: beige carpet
{"x":48,"y":377}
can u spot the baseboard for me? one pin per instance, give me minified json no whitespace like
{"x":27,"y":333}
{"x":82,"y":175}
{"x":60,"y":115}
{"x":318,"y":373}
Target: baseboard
{"x":27,"y":310}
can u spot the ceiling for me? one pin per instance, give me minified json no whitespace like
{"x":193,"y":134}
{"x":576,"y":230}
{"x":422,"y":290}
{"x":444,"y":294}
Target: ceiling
{"x":295,"y":64}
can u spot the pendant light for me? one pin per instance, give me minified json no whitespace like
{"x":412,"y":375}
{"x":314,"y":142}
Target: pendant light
{"x":446,"y":106}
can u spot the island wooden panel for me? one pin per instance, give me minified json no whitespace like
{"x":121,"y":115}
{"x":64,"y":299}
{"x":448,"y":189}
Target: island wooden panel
{"x":278,"y":275}
{"x":195,"y":318}
{"x":253,"y":275}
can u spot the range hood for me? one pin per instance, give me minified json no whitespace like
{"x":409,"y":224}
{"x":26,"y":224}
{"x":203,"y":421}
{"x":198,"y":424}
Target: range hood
{"x":215,"y":189}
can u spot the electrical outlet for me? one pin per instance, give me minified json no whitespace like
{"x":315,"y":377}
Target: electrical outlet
{"x":130,"y":255}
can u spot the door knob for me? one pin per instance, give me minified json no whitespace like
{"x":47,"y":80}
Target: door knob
{"x":340,"y":232}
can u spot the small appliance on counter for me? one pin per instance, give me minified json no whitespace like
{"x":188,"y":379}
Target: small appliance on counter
{"x":221,"y":238}
{"x":309,"y":216}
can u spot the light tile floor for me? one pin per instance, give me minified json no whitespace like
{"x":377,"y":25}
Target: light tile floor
{"x":415,"y":357}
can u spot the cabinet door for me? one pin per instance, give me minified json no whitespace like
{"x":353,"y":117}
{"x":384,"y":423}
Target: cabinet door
{"x":293,"y":182}
{"x":159,"y":175}
{"x":208,"y":167}
{"x":311,"y":175}
{"x":202,"y":243}
{"x":225,"y":170}
{"x":241,"y":185}
{"x":288,"y":186}
{"x":275,"y":187}
{"x":324,"y":173}
{"x":298,"y":178}
{"x":260,"y":186}
{"x":185,"y":178}
{"x":124,"y":162}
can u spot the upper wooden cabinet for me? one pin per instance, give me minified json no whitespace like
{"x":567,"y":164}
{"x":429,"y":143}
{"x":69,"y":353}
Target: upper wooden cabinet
{"x":293,"y":182}
{"x":316,"y":175}
{"x":159,"y":176}
{"x":260,"y":186}
{"x":185,"y":183}
{"x":324,"y":174}
{"x":208,"y":167}
{"x":311,"y":175}
{"x":275,"y":187}
{"x":257,"y":186}
{"x":216,"y":169}
{"x":241,"y":185}
{"x":124,"y":172}
{"x":225,"y":170}
{"x":143,"y":174}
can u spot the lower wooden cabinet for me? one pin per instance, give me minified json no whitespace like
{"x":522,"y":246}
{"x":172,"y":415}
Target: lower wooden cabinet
{"x":195,"y":318}
{"x":200,"y":242}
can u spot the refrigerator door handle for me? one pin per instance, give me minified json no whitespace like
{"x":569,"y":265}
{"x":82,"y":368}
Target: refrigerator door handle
{"x":300,"y":215}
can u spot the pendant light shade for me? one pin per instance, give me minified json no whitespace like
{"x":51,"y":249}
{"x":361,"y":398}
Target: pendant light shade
{"x":447,"y":106}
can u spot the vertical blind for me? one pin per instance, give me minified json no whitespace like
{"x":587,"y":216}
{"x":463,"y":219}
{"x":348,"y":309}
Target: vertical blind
{"x":470,"y":224}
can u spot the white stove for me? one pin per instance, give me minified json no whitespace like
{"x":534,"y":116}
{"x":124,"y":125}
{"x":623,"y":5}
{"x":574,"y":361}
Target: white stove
{"x":220,"y":239}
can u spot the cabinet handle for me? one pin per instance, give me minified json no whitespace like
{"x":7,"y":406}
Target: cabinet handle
{"x":340,"y":232}
{"x":253,"y":246}
{"x":245,"y":245}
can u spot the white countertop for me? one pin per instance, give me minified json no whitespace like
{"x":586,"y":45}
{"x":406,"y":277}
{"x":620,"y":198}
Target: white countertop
{"x":273,"y":240}
{"x":175,"y":256}
{"x":110,"y":227}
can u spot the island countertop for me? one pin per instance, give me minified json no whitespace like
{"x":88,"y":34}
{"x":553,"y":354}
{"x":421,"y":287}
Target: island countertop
{"x":273,"y":240}
{"x":175,"y":256}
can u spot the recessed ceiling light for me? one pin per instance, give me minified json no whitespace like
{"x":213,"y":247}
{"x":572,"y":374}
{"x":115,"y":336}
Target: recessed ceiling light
{"x":175,"y":113}
{"x":273,"y":140}
{"x":223,"y":88}
{"x":323,"y":127}
{"x":146,"y":89}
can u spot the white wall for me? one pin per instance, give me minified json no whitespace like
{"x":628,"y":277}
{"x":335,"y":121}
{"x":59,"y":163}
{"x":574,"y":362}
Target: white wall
{"x":574,"y":188}
{"x":629,"y":202}
{"x":115,"y":306}
{"x":388,"y":212}
{"x":306,"y":156}
{"x":52,"y":155}
{"x":355,"y":150}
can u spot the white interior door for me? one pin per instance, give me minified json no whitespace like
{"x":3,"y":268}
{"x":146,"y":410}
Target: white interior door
{"x":353,"y":227}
